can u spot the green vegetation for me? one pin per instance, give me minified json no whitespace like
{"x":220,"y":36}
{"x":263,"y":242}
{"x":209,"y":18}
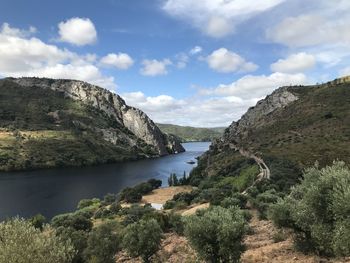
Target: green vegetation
{"x":42,"y":128}
{"x":142,"y":239}
{"x":192,"y":134}
{"x":316,"y":127}
{"x":217,"y":234}
{"x":318,"y":210}
{"x":21,"y":242}
{"x":134,"y":194}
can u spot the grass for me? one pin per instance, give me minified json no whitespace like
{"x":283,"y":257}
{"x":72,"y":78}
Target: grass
{"x":41,"y":128}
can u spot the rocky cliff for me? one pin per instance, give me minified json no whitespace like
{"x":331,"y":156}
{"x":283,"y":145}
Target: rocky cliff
{"x":292,"y":127}
{"x":114,"y":106}
{"x":48,"y":123}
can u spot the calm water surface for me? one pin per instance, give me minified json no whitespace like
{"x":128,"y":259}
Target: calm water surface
{"x":55,"y":191}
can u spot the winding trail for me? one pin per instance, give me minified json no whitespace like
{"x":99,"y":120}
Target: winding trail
{"x":265,"y":172}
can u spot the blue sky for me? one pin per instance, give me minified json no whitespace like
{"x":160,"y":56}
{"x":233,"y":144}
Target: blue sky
{"x":187,"y":62}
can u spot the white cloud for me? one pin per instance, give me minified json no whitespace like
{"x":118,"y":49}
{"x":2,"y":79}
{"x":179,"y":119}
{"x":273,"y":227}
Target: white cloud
{"x":198,"y":112}
{"x":155,"y":67}
{"x":15,"y":32}
{"x":325,"y":25}
{"x":225,"y":61}
{"x":196,"y":50}
{"x":182,"y":60}
{"x":217,"y":18}
{"x":77,"y":31}
{"x":295,"y":63}
{"x":120,"y":61}
{"x":24,"y":56}
{"x":258,"y":85}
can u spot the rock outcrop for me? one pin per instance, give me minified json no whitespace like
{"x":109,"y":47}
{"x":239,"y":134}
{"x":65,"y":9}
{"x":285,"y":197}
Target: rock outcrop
{"x":256,"y":116}
{"x":134,"y":120}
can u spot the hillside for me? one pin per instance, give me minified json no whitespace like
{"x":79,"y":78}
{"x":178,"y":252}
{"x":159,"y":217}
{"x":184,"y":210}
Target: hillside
{"x":50,"y":123}
{"x":191,"y":134}
{"x":294,"y":126}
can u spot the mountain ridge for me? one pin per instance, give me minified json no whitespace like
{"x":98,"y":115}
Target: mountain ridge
{"x":101,"y":116}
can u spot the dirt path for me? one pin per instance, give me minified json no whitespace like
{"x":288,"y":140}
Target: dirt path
{"x":262,"y":248}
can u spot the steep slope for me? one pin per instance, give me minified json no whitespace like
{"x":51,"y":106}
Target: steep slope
{"x":47,"y":123}
{"x":190,"y":134}
{"x":298,"y":125}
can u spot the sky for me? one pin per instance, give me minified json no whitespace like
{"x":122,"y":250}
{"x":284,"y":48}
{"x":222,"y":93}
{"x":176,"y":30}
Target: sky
{"x":186,"y":62}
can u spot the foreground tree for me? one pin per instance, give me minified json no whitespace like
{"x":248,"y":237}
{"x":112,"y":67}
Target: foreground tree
{"x":21,"y":242}
{"x":318,"y":210}
{"x":102,"y":244}
{"x":216,"y":234}
{"x":142,"y":239}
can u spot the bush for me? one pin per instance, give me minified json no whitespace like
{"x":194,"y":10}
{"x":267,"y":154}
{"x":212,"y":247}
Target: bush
{"x":38,"y":221}
{"x":77,"y":221}
{"x":263,"y":201}
{"x":176,"y":224}
{"x":21,"y":242}
{"x":155,"y":183}
{"x":142,"y":239}
{"x":109,"y":199}
{"x":135,"y":213}
{"x":217,"y":234}
{"x":103,"y":243}
{"x":88,"y":202}
{"x":130,"y":195}
{"x":78,"y":239}
{"x":318,"y":210}
{"x":170,"y":204}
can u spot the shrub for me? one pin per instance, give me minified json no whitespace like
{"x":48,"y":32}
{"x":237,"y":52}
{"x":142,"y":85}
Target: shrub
{"x":130,"y":195}
{"x":142,"y":239}
{"x":155,"y":183}
{"x":135,"y":213}
{"x":77,"y":221}
{"x":102,"y":244}
{"x":217,"y":234}
{"x":78,"y":239}
{"x":318,"y":210}
{"x":21,"y":242}
{"x":109,"y":199}
{"x":170,"y":204}
{"x":88,"y":202}
{"x":38,"y":221}
{"x":175,"y":223}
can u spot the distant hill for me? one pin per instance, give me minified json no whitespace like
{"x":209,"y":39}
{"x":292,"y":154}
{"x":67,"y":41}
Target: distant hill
{"x":190,"y":134}
{"x":50,"y":123}
{"x":298,"y":125}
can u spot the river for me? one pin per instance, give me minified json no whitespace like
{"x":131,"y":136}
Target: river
{"x":55,"y":191}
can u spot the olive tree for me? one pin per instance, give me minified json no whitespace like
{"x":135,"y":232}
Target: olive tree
{"x":142,"y":239}
{"x":216,"y":234}
{"x":318,"y":210}
{"x":21,"y":242}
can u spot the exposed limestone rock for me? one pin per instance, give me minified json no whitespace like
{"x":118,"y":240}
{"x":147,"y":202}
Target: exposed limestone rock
{"x":254,"y":117}
{"x":136,"y":121}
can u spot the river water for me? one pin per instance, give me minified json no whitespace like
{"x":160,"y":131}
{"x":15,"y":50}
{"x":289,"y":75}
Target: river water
{"x":54,"y":191}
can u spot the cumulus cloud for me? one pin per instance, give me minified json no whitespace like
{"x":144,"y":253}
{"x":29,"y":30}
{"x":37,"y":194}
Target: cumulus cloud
{"x":77,"y":31}
{"x":182,"y":60}
{"x":119,"y":61}
{"x":196,"y":50}
{"x":155,"y":67}
{"x":294,"y":63}
{"x":225,"y":61}
{"x":21,"y":55}
{"x":217,"y":18}
{"x":326,"y":24}
{"x":260,"y":85}
{"x":211,"y":112}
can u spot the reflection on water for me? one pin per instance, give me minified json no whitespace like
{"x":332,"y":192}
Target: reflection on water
{"x":55,"y":191}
